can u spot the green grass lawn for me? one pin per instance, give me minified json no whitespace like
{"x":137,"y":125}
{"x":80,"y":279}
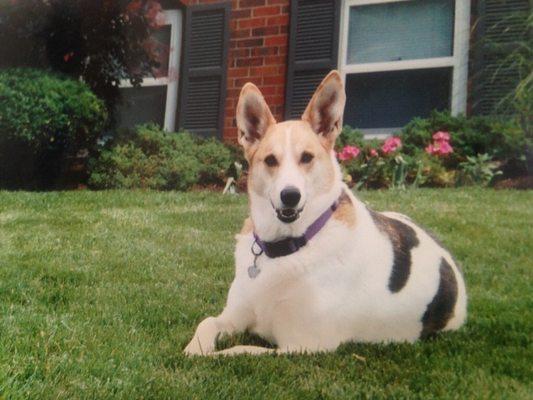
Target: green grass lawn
{"x":100,"y":292}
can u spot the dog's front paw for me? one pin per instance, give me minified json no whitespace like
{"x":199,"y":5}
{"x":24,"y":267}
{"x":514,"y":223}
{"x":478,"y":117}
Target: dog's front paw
{"x":205,"y":338}
{"x":197,"y":348}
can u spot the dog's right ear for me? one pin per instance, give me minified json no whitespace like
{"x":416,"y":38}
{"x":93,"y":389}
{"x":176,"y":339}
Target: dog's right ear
{"x":253,"y":118}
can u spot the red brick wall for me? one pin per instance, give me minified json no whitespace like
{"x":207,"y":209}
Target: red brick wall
{"x":257,"y":53}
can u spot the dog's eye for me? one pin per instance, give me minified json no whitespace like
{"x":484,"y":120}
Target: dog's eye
{"x":306,"y":157}
{"x":271,"y":161}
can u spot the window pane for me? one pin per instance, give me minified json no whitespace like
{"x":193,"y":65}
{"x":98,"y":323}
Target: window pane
{"x":142,"y":105}
{"x":405,"y":30}
{"x":391,"y":99}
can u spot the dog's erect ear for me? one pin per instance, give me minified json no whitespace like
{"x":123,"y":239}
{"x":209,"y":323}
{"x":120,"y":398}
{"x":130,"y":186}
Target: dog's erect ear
{"x":253,"y":118}
{"x":324,"y":111}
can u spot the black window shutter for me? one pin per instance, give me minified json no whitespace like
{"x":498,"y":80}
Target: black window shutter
{"x":203,"y":70}
{"x":501,"y":25}
{"x":313,"y":50}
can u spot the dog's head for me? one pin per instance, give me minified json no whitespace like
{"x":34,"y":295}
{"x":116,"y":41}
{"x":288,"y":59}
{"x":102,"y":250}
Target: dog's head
{"x":292,"y":163}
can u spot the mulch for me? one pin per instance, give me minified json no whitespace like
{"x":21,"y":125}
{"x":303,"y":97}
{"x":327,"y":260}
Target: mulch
{"x":520,"y":183}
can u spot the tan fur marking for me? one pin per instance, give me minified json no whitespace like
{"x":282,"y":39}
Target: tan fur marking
{"x":345,"y":212}
{"x":302,"y":139}
{"x":247,"y":227}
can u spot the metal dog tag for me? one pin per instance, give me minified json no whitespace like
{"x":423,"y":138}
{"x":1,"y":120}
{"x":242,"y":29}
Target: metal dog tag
{"x":253,"y":271}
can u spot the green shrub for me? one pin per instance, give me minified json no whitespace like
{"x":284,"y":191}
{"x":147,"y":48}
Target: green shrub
{"x":215,"y":159}
{"x":503,"y":140}
{"x":129,"y":166}
{"x":350,"y":137}
{"x":430,"y":171}
{"x":365,"y":170}
{"x":239,"y":163}
{"x":43,"y":118}
{"x":151,"y":158}
{"x":479,"y":170}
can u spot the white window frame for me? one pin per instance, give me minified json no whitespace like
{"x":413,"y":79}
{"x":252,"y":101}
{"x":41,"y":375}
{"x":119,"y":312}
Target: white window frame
{"x":174,"y":18}
{"x":458,"y":61}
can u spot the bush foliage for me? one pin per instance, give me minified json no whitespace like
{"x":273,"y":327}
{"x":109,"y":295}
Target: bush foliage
{"x":151,"y":158}
{"x":438,"y":151}
{"x":502,"y":139}
{"x":43,"y":118}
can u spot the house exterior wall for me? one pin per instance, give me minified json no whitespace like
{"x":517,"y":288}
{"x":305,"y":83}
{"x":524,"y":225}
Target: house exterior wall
{"x":257,"y":53}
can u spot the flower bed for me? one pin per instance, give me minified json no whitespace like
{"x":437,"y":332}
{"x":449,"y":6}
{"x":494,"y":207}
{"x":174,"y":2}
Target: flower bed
{"x":440,"y":151}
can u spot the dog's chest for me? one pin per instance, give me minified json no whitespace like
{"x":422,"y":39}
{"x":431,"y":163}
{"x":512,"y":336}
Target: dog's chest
{"x":297,"y":299}
{"x":301,"y":293}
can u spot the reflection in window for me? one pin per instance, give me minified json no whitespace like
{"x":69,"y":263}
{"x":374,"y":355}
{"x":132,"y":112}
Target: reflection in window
{"x":400,"y":31}
{"x":392,"y":99}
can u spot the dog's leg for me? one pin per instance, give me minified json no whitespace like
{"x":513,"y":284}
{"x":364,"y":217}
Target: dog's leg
{"x":232,"y":320}
{"x":256,"y":350}
{"x":239,"y":350}
{"x":205,"y":337}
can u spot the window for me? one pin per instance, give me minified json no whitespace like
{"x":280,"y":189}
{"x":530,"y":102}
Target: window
{"x":156,"y":99}
{"x":401,"y":59}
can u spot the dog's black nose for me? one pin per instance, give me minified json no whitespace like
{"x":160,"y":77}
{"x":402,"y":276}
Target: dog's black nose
{"x":290,"y":196}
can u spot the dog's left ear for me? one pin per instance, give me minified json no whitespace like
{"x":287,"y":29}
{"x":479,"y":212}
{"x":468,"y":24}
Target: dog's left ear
{"x":324,"y":111}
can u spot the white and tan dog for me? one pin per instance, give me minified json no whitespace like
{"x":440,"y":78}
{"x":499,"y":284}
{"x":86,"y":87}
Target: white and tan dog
{"x":314,"y":266}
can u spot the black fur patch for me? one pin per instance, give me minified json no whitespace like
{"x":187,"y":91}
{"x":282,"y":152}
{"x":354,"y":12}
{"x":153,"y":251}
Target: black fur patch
{"x":403,"y":239}
{"x":440,"y":310}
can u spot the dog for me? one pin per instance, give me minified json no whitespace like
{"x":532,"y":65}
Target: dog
{"x":315,"y":267}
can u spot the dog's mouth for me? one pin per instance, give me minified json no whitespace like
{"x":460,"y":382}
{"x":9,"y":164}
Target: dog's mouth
{"x":288,"y":215}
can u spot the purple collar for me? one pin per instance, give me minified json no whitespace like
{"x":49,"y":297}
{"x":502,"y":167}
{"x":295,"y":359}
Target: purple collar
{"x":290,"y":245}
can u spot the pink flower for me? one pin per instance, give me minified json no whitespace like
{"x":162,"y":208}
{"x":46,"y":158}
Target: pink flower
{"x":439,"y":148}
{"x":441,"y":144}
{"x":373,"y":153}
{"x":441,"y":136}
{"x":391,"y":144}
{"x":445,"y":148}
{"x":348,"y":152}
